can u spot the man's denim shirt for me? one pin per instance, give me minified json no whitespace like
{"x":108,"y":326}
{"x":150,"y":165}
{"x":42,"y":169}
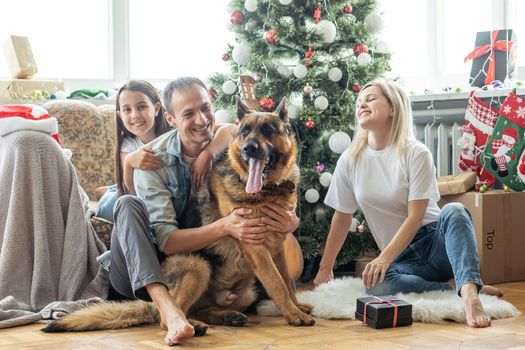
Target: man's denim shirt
{"x":167,"y":191}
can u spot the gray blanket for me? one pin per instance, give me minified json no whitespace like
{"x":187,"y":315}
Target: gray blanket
{"x":48,"y":248}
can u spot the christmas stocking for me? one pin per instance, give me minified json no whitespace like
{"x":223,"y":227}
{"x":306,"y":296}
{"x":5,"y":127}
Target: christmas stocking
{"x":27,"y":117}
{"x":504,"y":154}
{"x":479,"y":123}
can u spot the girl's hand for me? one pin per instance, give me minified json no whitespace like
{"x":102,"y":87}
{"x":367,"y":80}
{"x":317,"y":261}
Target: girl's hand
{"x":375,"y":272}
{"x":280,"y":217}
{"x":144,"y":159}
{"x":200,"y":168}
{"x":323,"y":275}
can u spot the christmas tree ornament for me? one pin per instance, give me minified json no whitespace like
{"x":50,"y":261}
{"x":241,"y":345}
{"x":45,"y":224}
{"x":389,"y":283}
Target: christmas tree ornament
{"x":237,"y":17}
{"x":229,"y":87}
{"x":250,"y":5}
{"x":356,"y":88}
{"x":321,"y":103}
{"x":285,"y":2}
{"x":339,"y":142}
{"x":223,"y":116}
{"x":292,"y":111}
{"x":286,"y":21}
{"x":267,"y":104}
{"x":483,"y":188}
{"x":213,"y":94}
{"x":271,"y":37}
{"x":308,"y":89}
{"x":257,"y":77}
{"x":317,"y":13}
{"x":335,"y":74}
{"x":347,"y":9}
{"x":320,"y":214}
{"x":300,"y":71}
{"x":326,"y":30}
{"x":309,"y":54}
{"x":506,"y":188}
{"x":296,"y":99}
{"x":311,"y":195}
{"x":225,"y":57}
{"x":373,"y":22}
{"x":325,"y":179}
{"x":320,"y":166}
{"x":353,"y":225}
{"x":364,"y":58}
{"x":284,"y":71}
{"x":241,"y":53}
{"x":361,"y":229}
{"x":310,"y":124}
{"x":360,"y":48}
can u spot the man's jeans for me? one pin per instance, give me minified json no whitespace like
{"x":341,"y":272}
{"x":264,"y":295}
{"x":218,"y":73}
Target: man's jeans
{"x":440,"y":251}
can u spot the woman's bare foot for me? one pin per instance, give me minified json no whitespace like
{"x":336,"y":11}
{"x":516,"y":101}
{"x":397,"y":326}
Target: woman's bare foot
{"x":172,"y":318}
{"x":100,"y":191}
{"x":489,"y":290}
{"x":474,"y":312}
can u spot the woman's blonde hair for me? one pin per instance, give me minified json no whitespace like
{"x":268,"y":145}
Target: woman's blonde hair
{"x":402,"y":128}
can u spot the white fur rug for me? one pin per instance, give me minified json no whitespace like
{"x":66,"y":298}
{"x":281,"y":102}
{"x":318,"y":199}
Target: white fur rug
{"x":337,"y":299}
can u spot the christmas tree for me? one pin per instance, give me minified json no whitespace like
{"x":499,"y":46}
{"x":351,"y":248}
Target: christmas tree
{"x":317,"y":55}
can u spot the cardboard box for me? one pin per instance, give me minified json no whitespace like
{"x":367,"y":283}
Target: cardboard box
{"x":499,"y":223}
{"x":26,"y":88}
{"x":455,"y":184}
{"x":19,"y":57}
{"x":381,"y":314}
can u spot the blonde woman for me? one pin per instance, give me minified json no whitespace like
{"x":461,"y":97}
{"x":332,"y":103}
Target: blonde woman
{"x":391,"y":176}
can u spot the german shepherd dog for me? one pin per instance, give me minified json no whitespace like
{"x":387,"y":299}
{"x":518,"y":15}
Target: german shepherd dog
{"x":258,"y":168}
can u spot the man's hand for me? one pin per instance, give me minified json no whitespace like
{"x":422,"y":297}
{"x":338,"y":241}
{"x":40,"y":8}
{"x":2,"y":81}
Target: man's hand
{"x":251,"y":231}
{"x":200,"y":168}
{"x":144,"y":159}
{"x":280,"y":217}
{"x":375,"y":272}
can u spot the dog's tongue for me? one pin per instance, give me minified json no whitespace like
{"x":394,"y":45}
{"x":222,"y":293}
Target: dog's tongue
{"x":255,"y":170}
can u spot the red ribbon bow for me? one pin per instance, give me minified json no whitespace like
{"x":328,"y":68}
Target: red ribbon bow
{"x":500,"y":45}
{"x":383,"y":301}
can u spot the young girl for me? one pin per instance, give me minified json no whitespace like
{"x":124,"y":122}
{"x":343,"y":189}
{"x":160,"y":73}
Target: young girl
{"x":139,"y":120}
{"x":391,"y":177}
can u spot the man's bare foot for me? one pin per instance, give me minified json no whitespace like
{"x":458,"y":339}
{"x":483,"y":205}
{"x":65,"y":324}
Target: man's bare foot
{"x":176,"y":323}
{"x":474,"y":312}
{"x":489,"y":290}
{"x":100,"y":191}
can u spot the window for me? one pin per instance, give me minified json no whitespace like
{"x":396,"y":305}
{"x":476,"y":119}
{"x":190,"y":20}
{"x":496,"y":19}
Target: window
{"x":69,"y":39}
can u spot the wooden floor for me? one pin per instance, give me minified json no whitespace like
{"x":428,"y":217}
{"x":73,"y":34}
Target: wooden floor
{"x":274,"y":333}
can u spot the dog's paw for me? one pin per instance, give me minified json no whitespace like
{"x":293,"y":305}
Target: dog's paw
{"x":306,"y":308}
{"x":200,"y":327}
{"x":301,"y":319}
{"x":235,"y":318}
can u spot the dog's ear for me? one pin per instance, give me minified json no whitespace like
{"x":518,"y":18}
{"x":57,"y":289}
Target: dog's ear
{"x":242,"y":108}
{"x":282,"y":111}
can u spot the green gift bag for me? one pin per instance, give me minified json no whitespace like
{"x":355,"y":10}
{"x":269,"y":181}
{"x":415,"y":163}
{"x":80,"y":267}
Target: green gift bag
{"x":504,"y":155}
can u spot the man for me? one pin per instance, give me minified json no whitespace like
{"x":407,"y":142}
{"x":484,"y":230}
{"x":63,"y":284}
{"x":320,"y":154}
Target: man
{"x":164,"y":204}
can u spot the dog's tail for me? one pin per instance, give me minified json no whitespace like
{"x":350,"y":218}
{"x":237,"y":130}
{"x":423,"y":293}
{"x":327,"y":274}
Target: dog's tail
{"x":106,"y":315}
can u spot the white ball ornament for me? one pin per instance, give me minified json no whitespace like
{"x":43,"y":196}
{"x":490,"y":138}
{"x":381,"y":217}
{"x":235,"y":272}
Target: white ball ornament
{"x":285,"y":2}
{"x":223,"y":116}
{"x":229,"y":87}
{"x":326,"y":30}
{"x":292,"y":111}
{"x":284,"y":71}
{"x":353,"y":225}
{"x":241,"y":53}
{"x":373,"y":22}
{"x":321,"y":103}
{"x":300,"y":71}
{"x":250,"y":5}
{"x":296,"y":99}
{"x":364,"y":58}
{"x":325,"y":179}
{"x":335,"y":74}
{"x":320,"y":214}
{"x":339,"y":142}
{"x":311,"y":195}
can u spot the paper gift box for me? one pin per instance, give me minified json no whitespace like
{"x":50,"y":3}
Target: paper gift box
{"x":19,"y":57}
{"x":493,"y":57}
{"x":455,"y":184}
{"x":383,"y":311}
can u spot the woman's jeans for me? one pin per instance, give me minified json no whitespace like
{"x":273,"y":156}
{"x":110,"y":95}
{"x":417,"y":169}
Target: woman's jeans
{"x":440,"y":251}
{"x":107,"y":203}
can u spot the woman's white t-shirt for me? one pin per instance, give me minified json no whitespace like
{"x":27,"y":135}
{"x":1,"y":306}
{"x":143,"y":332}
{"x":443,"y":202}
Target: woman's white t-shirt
{"x":381,"y":183}
{"x":131,"y":144}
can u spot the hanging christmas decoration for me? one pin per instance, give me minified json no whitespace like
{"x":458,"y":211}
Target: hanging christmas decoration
{"x":257,"y":77}
{"x":285,"y":2}
{"x":229,"y":87}
{"x":347,"y":9}
{"x":267,"y":104}
{"x":272,"y":37}
{"x":309,"y":54}
{"x":321,"y":103}
{"x":250,"y":5}
{"x":361,"y":229}
{"x":225,"y":57}
{"x":360,"y":48}
{"x":241,"y":53}
{"x":237,"y":17}
{"x":300,"y":71}
{"x":373,"y":22}
{"x":339,"y":142}
{"x":320,"y":166}
{"x":284,"y":71}
{"x":312,"y":195}
{"x":356,"y":88}
{"x":213,"y":94}
{"x":317,"y":13}
{"x":335,"y":74}
{"x":326,"y":30}
{"x":364,"y":58}
{"x":308,"y":89}
{"x":325,"y":179}
{"x":292,"y":111}
{"x":310,"y":124}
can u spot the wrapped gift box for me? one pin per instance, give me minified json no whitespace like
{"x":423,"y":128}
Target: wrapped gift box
{"x":455,"y":184}
{"x":383,"y":311}
{"x":19,"y":57}
{"x":493,"y":57}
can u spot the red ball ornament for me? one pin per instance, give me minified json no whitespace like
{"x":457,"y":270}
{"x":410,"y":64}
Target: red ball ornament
{"x":359,"y":49}
{"x":225,"y":57}
{"x":271,"y":37}
{"x":267,"y":104}
{"x":308,"y":89}
{"x":317,"y":13}
{"x":237,"y":17}
{"x":212,"y":93}
{"x":347,"y":9}
{"x":310,"y":124}
{"x":356,"y":88}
